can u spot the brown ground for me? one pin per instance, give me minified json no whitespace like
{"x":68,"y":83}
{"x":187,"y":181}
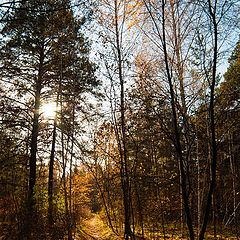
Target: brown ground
{"x":94,"y":229}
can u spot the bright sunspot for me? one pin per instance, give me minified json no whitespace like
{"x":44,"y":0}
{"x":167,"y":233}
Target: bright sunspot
{"x":48,"y":110}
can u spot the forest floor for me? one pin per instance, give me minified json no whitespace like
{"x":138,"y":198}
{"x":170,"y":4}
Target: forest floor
{"x":95,"y":229}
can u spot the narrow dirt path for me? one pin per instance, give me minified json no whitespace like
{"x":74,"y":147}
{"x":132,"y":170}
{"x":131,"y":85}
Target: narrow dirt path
{"x":95,"y":229}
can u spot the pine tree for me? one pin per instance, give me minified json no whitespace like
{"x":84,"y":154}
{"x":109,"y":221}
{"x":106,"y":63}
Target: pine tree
{"x":231,"y":85}
{"x":44,"y":55}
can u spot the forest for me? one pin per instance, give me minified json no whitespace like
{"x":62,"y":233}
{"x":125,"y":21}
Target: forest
{"x":119,"y":119}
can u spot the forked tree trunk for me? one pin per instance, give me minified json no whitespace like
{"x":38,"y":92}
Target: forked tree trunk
{"x":212,"y":14}
{"x":177,"y":142}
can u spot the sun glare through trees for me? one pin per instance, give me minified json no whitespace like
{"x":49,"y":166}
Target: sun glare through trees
{"x":117,"y":120}
{"x":49,"y":110}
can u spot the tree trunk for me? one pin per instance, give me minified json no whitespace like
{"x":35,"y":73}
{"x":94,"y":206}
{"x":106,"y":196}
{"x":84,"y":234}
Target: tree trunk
{"x":35,"y":129}
{"x":122,"y":141}
{"x":176,"y":131}
{"x":50,"y":177}
{"x":212,"y":15}
{"x":33,"y":151}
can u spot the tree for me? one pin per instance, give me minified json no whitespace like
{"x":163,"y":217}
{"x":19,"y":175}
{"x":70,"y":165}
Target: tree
{"x":230,"y":86}
{"x":215,"y":16}
{"x":115,"y":17}
{"x":228,"y":109}
{"x":75,"y":79}
{"x":31,"y":67}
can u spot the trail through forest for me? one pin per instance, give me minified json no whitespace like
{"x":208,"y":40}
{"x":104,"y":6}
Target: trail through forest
{"x":95,"y":229}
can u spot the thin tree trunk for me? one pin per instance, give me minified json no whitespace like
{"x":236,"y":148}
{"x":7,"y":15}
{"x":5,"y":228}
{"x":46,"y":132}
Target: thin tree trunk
{"x":33,"y":151}
{"x":198,"y":187}
{"x":123,"y":149}
{"x":70,"y":169}
{"x":176,"y":131}
{"x":139,"y":205}
{"x":233,"y":172}
{"x":63,"y":157}
{"x":35,"y":129}
{"x":51,"y":164}
{"x":212,"y":13}
{"x":64,"y":162}
{"x":50,"y":175}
